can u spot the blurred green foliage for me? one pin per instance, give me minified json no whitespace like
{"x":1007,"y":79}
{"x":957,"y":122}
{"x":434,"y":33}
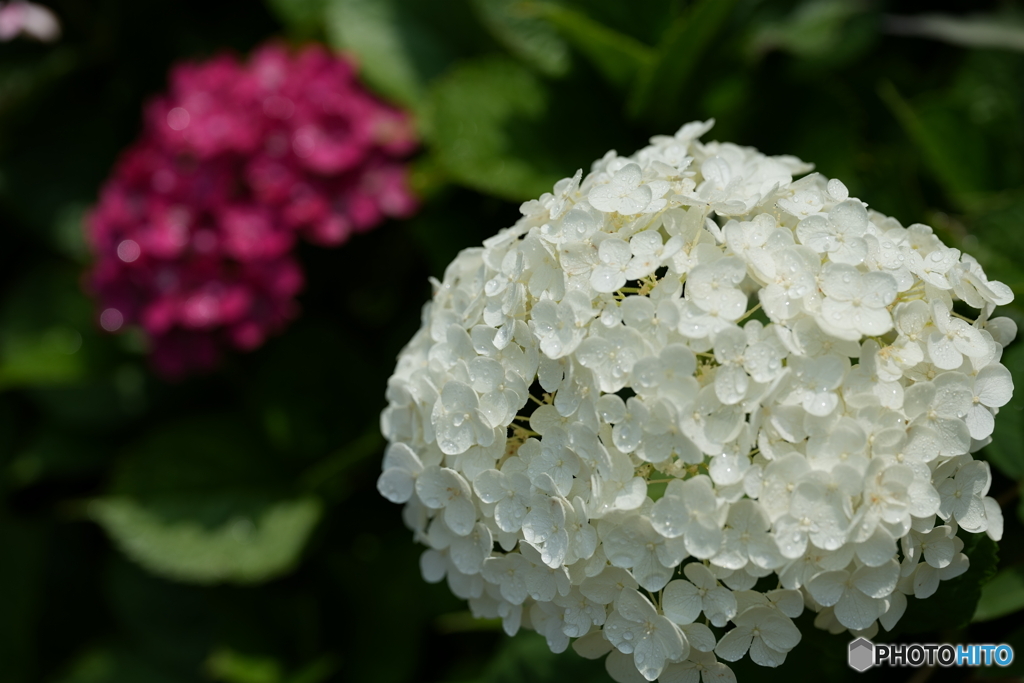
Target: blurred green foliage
{"x":227,"y":528}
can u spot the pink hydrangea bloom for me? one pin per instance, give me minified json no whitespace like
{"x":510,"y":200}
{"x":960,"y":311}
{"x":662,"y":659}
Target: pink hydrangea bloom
{"x":195,"y":229}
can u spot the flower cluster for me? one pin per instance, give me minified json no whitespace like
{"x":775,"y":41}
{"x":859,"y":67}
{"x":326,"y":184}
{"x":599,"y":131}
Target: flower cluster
{"x":680,"y":375}
{"x":194,"y":231}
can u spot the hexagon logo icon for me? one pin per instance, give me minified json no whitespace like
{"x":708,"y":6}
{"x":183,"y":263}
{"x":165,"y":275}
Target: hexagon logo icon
{"x":862,"y":654}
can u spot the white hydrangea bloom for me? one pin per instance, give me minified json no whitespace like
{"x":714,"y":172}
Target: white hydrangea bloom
{"x":683,"y":373}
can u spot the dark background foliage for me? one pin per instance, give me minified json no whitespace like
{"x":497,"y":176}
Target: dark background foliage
{"x":227,"y":527}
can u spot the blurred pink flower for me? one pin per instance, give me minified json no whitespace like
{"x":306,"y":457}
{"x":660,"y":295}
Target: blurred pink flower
{"x":194,"y":230}
{"x":28,"y":18}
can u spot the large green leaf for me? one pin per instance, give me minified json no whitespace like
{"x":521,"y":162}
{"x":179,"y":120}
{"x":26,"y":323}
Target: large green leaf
{"x":1003,"y":595}
{"x":525,"y":35}
{"x":246,"y":548}
{"x":662,"y":87}
{"x":619,"y":57}
{"x":200,"y":500}
{"x":398,"y":53}
{"x":485,"y":120}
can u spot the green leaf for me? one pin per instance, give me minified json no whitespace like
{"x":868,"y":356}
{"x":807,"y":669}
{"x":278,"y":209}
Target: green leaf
{"x":661,"y":87}
{"x":43,"y":326}
{"x":397,"y":53}
{"x":1006,"y":451}
{"x":949,"y":147}
{"x":41,"y":356}
{"x":304,"y":16}
{"x":246,"y":548}
{"x":979,"y":31}
{"x":1003,"y":595}
{"x":230,"y":666}
{"x":956,"y":600}
{"x":317,"y":671}
{"x":617,"y":56}
{"x":528,"y":37}
{"x":484,"y":119}
{"x":645,"y":21}
{"x":815,"y":29}
{"x":201,"y":500}
{"x":68,"y":232}
{"x":234,"y":667}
